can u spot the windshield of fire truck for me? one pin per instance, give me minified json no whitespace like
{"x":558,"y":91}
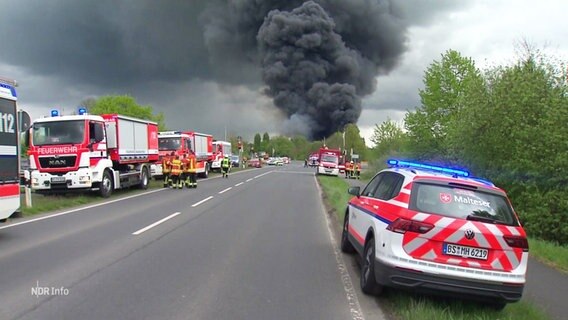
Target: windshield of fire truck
{"x":169,"y":144}
{"x":58,"y":132}
{"x":329,"y":158}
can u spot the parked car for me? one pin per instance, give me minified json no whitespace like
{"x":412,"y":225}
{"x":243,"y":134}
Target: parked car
{"x":436,"y":230}
{"x":255,"y":163}
{"x":235,"y":161}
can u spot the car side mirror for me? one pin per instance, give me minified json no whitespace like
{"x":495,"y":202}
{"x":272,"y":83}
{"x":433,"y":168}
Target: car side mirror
{"x":356,"y":191}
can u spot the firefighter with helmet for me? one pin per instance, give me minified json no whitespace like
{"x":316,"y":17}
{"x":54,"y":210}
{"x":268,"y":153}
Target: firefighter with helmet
{"x":167,"y":168}
{"x":191,"y":169}
{"x":225,"y":166}
{"x":176,"y":173}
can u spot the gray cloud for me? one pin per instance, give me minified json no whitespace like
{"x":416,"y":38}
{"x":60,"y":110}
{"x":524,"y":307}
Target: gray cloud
{"x":65,"y":49}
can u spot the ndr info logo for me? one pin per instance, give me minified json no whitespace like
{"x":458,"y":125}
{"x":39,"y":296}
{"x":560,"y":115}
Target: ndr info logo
{"x":49,"y":291}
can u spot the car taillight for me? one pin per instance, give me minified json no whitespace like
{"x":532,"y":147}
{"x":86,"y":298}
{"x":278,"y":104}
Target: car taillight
{"x":517,"y":242}
{"x":401,"y":225}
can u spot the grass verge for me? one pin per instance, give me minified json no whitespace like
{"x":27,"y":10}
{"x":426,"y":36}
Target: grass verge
{"x":549,"y":253}
{"x":47,"y":203}
{"x":408,"y":306}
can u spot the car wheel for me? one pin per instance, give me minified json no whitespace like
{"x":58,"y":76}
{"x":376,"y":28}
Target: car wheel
{"x":346,"y":246}
{"x":105,"y":188}
{"x":205,"y":174}
{"x":369,"y":284}
{"x":144,"y":179}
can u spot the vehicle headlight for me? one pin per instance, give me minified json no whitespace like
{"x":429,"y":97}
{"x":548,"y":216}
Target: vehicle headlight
{"x":84,"y":178}
{"x":35,"y":180}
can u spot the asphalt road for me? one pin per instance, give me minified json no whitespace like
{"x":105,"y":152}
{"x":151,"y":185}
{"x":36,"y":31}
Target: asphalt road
{"x":254,"y":246}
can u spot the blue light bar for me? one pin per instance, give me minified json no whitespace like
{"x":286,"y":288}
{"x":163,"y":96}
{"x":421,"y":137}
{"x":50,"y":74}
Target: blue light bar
{"x":409,"y":164}
{"x":54,"y":113}
{"x":82,"y":111}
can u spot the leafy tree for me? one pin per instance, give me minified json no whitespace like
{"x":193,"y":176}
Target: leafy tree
{"x":257,"y":143}
{"x":353,"y":140}
{"x":265,"y":145}
{"x":389,"y":138}
{"x":127,"y":106}
{"x":282,"y":146}
{"x":446,"y":84}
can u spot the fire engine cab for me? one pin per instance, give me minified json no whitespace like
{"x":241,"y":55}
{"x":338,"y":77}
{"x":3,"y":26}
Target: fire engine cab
{"x":183,"y":143}
{"x":437,"y":230}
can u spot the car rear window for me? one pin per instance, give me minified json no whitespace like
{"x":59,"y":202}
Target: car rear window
{"x":460,"y":203}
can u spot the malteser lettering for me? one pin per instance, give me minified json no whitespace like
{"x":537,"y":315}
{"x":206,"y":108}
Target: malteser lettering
{"x":468,"y":200}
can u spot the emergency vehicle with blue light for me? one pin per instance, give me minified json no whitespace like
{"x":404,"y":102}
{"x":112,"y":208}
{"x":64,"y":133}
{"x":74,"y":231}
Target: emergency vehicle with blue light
{"x":91,"y":152}
{"x":437,"y":230}
{"x":9,"y":155}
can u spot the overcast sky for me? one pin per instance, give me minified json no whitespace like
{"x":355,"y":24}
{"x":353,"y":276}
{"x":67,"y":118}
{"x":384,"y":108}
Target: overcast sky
{"x":184,"y":58}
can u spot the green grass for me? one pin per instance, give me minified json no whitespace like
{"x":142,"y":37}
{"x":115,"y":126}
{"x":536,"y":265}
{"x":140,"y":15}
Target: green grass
{"x":549,"y":253}
{"x":407,"y":306}
{"x":335,"y":193}
{"x":410,"y":306}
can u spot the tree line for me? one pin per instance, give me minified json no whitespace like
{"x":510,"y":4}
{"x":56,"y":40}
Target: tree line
{"x":507,"y":123}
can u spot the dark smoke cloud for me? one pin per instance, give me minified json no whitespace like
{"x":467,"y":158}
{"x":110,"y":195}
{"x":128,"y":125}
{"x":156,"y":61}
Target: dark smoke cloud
{"x":143,"y":47}
{"x":318,"y":58}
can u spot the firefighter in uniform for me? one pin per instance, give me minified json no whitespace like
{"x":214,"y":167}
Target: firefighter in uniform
{"x":191,"y":180}
{"x":357,"y":170}
{"x":348,"y":169}
{"x":176,"y":173}
{"x":225,"y":166}
{"x":167,"y":169}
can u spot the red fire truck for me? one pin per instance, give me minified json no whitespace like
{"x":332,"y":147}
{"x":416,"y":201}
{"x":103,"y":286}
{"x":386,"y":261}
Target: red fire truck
{"x":91,"y":152}
{"x":185,"y":142}
{"x":328,"y":163}
{"x":9,"y":172}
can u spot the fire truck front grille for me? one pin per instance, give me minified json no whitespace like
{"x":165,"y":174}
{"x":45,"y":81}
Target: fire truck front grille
{"x":57,"y":161}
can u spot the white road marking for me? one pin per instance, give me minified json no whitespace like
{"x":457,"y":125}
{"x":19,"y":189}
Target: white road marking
{"x":239,"y":184}
{"x":298,"y":172}
{"x":249,"y":180}
{"x":229,"y":188}
{"x":260,"y":175}
{"x":202,"y":201}
{"x":155,"y":224}
{"x":78,"y":209}
{"x":352,"y":300}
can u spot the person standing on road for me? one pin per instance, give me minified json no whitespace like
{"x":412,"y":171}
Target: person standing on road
{"x":192,"y":171}
{"x":225,"y":166}
{"x":167,"y":168}
{"x":176,"y":173}
{"x":357,"y":170}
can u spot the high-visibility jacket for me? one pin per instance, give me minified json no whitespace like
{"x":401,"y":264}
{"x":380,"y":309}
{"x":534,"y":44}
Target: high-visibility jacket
{"x":176,"y":167}
{"x":166,"y":165}
{"x":191,"y":164}
{"x":225,"y":163}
